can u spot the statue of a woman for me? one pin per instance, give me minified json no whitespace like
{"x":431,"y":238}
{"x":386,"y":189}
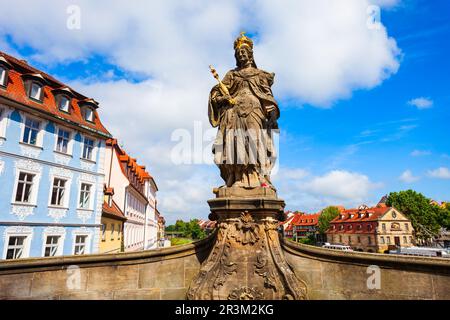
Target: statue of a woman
{"x":243,"y":149}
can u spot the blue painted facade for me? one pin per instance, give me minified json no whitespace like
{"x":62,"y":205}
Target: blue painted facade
{"x":39,"y":219}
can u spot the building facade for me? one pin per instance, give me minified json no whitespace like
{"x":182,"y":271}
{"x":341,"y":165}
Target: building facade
{"x":111,"y":232}
{"x":301,"y":225}
{"x":52,"y":147}
{"x":135,"y":194}
{"x":377,"y":229}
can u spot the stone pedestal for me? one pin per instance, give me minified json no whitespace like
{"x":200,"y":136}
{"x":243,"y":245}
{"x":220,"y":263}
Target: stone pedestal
{"x":246,"y":262}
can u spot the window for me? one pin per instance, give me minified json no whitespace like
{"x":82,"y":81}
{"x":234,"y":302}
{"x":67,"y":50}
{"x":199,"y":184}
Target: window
{"x":88,"y":146}
{"x":359,"y":239}
{"x":383,"y":226}
{"x":340,"y":238}
{"x":24,"y":187}
{"x":30,"y":134}
{"x":410,"y":240}
{"x":382,"y":240}
{"x":112,"y":231}
{"x":3,"y":76}
{"x":64,"y":104}
{"x":51,"y":246}
{"x":388,"y":239}
{"x":85,"y":195}
{"x":15,"y":247}
{"x":88,"y":114}
{"x":349,"y":239}
{"x":63,"y":141}
{"x":405,"y":240}
{"x":369,"y":240}
{"x":58,"y":192}
{"x":103,"y":232}
{"x":406,"y":227}
{"x":36,"y":91}
{"x":118,"y":232}
{"x":80,"y":245}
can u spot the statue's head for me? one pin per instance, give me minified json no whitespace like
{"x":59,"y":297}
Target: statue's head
{"x":243,"y":51}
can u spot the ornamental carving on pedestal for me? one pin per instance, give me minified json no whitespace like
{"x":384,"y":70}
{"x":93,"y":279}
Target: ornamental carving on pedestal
{"x":246,"y":293}
{"x":22,"y":211}
{"x":251,"y":247}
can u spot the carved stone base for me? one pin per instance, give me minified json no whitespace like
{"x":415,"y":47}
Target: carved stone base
{"x":247,"y":262}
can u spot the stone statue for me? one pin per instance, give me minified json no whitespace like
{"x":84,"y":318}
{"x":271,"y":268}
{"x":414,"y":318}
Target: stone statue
{"x":243,"y":107}
{"x":246,"y":260}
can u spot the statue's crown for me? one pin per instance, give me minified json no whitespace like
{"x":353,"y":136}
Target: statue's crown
{"x":242,"y":40}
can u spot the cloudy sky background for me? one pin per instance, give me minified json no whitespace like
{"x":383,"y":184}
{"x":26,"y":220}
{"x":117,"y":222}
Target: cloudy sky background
{"x":365,"y":104}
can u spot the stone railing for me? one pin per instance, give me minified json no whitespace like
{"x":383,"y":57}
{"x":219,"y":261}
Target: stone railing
{"x":153,"y":274}
{"x":333,"y":274}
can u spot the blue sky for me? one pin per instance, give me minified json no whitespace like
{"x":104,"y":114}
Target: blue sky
{"x":350,"y":130}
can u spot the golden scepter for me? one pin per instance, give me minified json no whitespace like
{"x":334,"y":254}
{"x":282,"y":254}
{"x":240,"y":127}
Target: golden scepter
{"x":223,"y":88}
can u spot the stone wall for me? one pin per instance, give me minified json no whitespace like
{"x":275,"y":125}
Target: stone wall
{"x":155,"y":274}
{"x":332,"y":274}
{"x":167,"y":273}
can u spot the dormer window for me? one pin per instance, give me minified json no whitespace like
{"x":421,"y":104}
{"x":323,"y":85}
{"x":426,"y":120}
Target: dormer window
{"x":35,"y":92}
{"x":88,"y":114}
{"x":4,"y":68}
{"x":3,"y":76}
{"x":64,"y":103}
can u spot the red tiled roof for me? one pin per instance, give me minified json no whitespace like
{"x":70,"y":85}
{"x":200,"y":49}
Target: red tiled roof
{"x":15,"y":91}
{"x":359,"y":215}
{"x":138,"y":170}
{"x":113,"y":211}
{"x":307,"y":220}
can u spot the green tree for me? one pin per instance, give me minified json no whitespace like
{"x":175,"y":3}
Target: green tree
{"x":418,"y":209}
{"x":328,"y":214}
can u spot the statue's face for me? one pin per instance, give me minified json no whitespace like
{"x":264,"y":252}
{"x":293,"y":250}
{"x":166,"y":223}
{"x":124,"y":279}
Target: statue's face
{"x":243,"y":56}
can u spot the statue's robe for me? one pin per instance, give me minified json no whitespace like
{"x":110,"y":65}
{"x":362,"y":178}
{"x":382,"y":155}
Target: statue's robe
{"x":243,"y":150}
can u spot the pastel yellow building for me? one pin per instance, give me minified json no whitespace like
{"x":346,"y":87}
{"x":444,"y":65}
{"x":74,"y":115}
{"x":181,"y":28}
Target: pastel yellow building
{"x":111,"y":232}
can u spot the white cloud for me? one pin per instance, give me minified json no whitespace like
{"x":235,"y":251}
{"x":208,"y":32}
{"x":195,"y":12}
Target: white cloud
{"x":408,"y":177}
{"x":421,"y":103}
{"x":419,"y":153}
{"x":321,"y":51}
{"x":440,"y":173}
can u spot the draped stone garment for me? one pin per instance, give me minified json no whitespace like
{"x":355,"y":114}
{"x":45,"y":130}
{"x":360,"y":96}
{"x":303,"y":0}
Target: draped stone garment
{"x":242,"y":150}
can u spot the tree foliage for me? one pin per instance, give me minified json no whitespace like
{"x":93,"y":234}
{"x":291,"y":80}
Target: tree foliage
{"x":328,"y":214}
{"x":419,"y":210}
{"x":189,"y":229}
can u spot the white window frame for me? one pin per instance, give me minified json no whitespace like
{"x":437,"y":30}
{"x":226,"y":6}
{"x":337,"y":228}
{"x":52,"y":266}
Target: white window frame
{"x":83,"y":112}
{"x":39,"y":136}
{"x":45,"y":244}
{"x":87,"y":248}
{"x":66,"y":195}
{"x":69,"y":143}
{"x":3,"y":78}
{"x":41,"y":89}
{"x":4,"y":116}
{"x":52,"y":231}
{"x":12,"y":233}
{"x":94,"y":148}
{"x":91,"y":196}
{"x":34,"y":187}
{"x":61,"y":98}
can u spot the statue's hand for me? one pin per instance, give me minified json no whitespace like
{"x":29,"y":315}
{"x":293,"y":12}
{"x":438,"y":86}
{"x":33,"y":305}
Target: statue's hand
{"x":223,"y":99}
